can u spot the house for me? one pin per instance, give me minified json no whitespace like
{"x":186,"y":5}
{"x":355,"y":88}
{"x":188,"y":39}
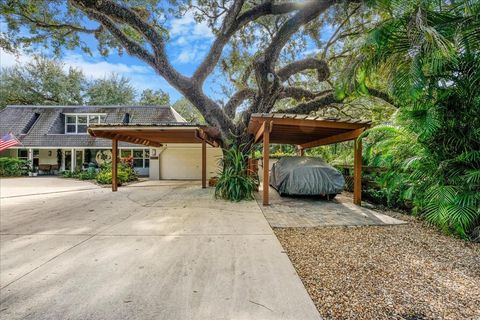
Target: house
{"x":55,"y":139}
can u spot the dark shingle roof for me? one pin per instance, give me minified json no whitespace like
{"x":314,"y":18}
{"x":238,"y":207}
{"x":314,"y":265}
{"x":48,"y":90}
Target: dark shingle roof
{"x":48,"y":129}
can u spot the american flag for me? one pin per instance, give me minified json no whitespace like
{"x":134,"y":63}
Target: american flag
{"x":8,"y":141}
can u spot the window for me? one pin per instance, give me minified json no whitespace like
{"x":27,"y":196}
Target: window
{"x":141,"y":157}
{"x":82,"y":124}
{"x":138,"y":158}
{"x":78,"y":123}
{"x":22,"y":154}
{"x":125,"y":153}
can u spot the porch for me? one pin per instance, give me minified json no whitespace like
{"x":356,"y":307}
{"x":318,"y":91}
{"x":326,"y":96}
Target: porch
{"x":52,"y":161}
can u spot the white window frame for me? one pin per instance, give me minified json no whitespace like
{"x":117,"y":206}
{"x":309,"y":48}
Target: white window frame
{"x":76,"y":115}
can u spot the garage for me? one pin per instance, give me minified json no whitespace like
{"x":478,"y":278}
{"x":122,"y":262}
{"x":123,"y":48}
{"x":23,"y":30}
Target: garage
{"x":183,"y":162}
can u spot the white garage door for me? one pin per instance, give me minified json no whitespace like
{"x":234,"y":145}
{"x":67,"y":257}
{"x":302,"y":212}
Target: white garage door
{"x":186,"y":163}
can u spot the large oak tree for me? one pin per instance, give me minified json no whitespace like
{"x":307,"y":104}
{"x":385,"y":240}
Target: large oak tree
{"x":264,"y":62}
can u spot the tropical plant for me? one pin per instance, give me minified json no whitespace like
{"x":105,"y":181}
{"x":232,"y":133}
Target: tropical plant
{"x":429,"y":52}
{"x":234,"y":183}
{"x":11,"y":167}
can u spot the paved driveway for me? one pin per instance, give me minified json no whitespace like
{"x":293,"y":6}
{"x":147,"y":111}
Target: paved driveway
{"x":16,"y":187}
{"x":153,"y":250}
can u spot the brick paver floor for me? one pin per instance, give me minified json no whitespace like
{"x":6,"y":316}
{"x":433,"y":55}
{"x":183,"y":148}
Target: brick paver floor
{"x":295,"y":212}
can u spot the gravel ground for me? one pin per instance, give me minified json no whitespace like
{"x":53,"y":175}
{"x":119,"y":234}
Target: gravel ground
{"x":390,"y":272}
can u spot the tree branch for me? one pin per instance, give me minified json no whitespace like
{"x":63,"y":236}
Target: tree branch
{"x":46,"y":25}
{"x":132,"y":47}
{"x":301,"y":93}
{"x":264,"y":65}
{"x":309,"y":12}
{"x":333,"y":37}
{"x":237,"y":99}
{"x":127,"y":16}
{"x":323,"y":72}
{"x":312,"y":105}
{"x":382,"y":95}
{"x":234,"y":22}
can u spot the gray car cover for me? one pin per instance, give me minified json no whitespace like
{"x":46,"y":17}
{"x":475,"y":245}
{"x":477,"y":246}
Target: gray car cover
{"x":305,"y":176}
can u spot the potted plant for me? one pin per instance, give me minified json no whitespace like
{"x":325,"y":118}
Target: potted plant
{"x":33,"y":172}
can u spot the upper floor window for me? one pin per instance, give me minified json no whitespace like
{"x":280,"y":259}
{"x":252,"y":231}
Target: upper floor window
{"x":78,"y":123}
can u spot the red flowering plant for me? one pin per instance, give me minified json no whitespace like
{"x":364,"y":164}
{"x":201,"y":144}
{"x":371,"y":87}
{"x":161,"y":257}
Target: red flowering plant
{"x":127,"y":161}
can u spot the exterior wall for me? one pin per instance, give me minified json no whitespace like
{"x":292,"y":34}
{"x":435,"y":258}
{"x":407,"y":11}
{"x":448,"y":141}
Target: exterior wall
{"x":45,"y":158}
{"x":184,"y":162}
{"x":9,"y":153}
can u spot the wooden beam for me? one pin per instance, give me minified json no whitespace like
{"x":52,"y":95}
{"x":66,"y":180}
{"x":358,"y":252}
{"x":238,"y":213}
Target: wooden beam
{"x":202,"y":135}
{"x":350,"y":135}
{"x":357,"y":180}
{"x":298,"y":122}
{"x":114,"y":164}
{"x":266,"y":161}
{"x":261,"y":131}
{"x":204,"y":164}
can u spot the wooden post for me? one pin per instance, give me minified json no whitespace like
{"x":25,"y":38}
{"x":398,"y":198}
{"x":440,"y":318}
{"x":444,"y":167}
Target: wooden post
{"x":204,"y":164}
{"x":302,"y":152}
{"x":266,"y":165}
{"x":357,"y":168}
{"x":114,"y":164}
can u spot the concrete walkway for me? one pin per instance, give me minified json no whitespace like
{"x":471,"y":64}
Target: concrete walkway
{"x":153,"y":250}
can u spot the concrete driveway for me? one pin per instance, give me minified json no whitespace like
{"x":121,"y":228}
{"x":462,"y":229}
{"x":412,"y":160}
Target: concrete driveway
{"x":16,"y":187}
{"x":153,"y":250}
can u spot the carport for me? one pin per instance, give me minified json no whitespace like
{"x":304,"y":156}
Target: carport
{"x":156,"y":136}
{"x":307,"y":132}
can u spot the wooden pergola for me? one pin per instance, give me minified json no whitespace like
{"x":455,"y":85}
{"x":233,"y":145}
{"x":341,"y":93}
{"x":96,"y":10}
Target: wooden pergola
{"x":307,"y":132}
{"x":155,"y":136}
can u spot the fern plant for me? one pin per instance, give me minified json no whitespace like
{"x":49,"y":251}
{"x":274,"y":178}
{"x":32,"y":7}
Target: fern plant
{"x":234,"y":183}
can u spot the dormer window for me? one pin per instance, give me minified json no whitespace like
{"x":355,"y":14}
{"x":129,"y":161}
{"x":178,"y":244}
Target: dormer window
{"x":78,"y":123}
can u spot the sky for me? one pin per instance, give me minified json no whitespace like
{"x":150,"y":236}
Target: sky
{"x":188,"y":44}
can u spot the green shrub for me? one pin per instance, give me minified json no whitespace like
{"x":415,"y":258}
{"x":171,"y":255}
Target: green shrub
{"x":234,"y":183}
{"x":13,"y":167}
{"x":87,"y":175}
{"x":105,"y":177}
{"x":125,"y":173}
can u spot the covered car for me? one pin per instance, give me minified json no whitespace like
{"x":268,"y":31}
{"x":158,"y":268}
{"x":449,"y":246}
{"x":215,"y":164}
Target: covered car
{"x":306,"y":176}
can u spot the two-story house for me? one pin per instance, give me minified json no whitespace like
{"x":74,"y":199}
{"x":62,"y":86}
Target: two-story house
{"x":55,"y":139}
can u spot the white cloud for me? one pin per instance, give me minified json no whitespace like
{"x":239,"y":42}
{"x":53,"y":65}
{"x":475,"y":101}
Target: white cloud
{"x":141,"y":77}
{"x":8,"y":59}
{"x":188,"y":29}
{"x":191,"y":54}
{"x":190,"y":39}
{"x":99,"y":69}
{"x":185,"y":56}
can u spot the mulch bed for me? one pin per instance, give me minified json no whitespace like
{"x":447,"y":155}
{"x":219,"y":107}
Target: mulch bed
{"x":391,"y":272}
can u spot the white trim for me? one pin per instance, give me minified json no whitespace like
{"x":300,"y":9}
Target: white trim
{"x":142,"y":128}
{"x":178,"y":116}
